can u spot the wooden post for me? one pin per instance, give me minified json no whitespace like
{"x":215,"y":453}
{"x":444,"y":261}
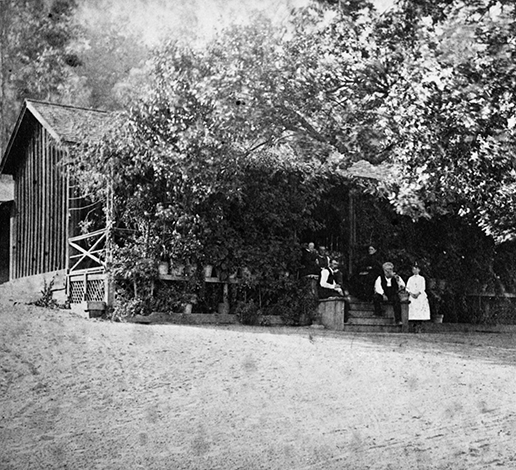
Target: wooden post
{"x":44,"y":193}
{"x":63,"y":214}
{"x":352,"y":231}
{"x":12,"y":235}
{"x":404,"y":315}
{"x":85,"y":287}
{"x":27,"y":213}
{"x":67,"y":212}
{"x":109,"y":285}
{"x":225,"y":297}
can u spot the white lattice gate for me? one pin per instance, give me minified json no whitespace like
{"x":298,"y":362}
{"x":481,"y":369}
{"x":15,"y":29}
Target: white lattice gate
{"x":87,"y":286}
{"x":87,"y":279}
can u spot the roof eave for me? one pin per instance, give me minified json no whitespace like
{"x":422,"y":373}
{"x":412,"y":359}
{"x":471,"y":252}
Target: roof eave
{"x":12,"y":138}
{"x":43,"y":121}
{"x":27,"y":106}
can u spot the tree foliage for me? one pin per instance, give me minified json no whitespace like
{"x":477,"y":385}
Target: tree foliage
{"x":455,"y":142}
{"x":231,"y":148}
{"x":37,"y":54}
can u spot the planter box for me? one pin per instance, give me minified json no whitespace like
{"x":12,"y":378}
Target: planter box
{"x":95,"y":308}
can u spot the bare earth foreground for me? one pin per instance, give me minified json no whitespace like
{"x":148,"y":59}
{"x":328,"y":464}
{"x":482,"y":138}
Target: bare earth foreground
{"x":88,"y":394}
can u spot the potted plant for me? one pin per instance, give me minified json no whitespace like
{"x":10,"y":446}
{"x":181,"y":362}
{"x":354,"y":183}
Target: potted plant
{"x":177,"y":268}
{"x":217,"y":257}
{"x":436,"y":291}
{"x":190,"y":300}
{"x":208,"y":270}
{"x":163,"y":265}
{"x":189,"y":295}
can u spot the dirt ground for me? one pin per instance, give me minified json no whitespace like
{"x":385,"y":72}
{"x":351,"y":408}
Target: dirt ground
{"x":88,"y":394}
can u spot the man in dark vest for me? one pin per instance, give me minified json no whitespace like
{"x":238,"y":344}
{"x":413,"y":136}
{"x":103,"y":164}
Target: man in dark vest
{"x":386,"y":289}
{"x":328,"y":282}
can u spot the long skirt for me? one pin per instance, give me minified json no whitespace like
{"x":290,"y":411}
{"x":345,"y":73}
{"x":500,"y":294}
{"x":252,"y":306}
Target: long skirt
{"x":419,"y":309}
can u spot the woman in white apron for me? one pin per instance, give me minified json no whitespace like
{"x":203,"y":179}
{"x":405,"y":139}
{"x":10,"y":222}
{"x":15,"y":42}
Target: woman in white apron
{"x":419,"y":308}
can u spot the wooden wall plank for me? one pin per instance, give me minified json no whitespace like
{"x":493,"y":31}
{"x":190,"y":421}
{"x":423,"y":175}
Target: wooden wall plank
{"x":36,"y":209}
{"x":12,"y":246}
{"x":52,"y":232}
{"x":28,"y":210}
{"x":32,"y":207}
{"x":61,"y":237}
{"x":22,"y":209}
{"x":40,"y":161}
{"x":21,"y":217}
{"x":66,"y":212}
{"x":19,"y":186}
{"x":47,"y":233}
{"x":40,"y":223}
{"x":44,"y":193}
{"x":38,"y":232}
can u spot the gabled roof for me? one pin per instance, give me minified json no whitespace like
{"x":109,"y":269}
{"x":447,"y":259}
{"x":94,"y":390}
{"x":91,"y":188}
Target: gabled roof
{"x":69,"y":123}
{"x":66,"y":124}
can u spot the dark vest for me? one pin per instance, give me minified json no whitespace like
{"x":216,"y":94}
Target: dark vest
{"x":324,"y":292}
{"x":393,"y":289}
{"x":331,"y":276}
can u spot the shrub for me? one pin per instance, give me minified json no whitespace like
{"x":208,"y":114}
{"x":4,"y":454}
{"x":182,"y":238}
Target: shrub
{"x":247,"y":312}
{"x":47,"y":296}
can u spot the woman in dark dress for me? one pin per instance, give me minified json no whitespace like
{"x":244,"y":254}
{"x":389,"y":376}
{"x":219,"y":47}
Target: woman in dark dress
{"x":369,"y":269}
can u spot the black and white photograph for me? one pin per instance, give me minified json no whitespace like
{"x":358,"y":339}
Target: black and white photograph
{"x":257,"y":234}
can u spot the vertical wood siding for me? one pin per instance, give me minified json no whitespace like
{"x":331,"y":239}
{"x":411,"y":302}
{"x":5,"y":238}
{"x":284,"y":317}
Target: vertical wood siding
{"x":41,"y":207}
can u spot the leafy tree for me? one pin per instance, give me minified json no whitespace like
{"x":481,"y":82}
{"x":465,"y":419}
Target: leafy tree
{"x":37,"y":56}
{"x":452,"y":120}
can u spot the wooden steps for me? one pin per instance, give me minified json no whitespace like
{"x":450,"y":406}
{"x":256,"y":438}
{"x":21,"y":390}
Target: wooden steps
{"x":360,"y":317}
{"x":392,"y":328}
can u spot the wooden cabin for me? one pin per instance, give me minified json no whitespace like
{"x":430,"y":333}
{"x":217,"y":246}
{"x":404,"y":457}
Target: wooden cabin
{"x":38,"y":212}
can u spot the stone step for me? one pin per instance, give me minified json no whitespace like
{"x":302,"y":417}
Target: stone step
{"x":361,"y":313}
{"x":370,"y":315}
{"x":367,"y":310}
{"x":361,"y":306}
{"x":370,"y":321}
{"x":350,"y":328}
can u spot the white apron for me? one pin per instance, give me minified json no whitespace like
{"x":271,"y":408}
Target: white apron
{"x":419,"y":309}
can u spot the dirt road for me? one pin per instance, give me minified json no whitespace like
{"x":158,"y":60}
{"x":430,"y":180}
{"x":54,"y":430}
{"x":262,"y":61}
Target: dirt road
{"x":86,"y":394}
